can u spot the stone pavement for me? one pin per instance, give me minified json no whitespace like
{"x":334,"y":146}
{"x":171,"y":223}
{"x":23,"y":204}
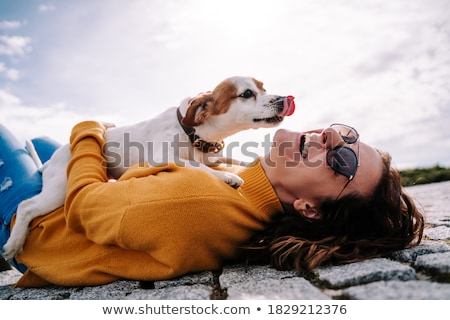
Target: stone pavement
{"x":419,"y":273}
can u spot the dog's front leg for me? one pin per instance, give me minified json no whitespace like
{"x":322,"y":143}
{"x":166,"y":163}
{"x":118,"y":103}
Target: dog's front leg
{"x":28,"y":210}
{"x":230,"y":178}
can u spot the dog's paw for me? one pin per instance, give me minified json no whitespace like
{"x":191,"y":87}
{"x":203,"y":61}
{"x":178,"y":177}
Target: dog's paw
{"x":108,"y":125}
{"x":233,"y":180}
{"x":10,"y":250}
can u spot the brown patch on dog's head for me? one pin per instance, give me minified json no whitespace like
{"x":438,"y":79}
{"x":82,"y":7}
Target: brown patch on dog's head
{"x":210,"y":103}
{"x":259,"y":85}
{"x":223,"y":96}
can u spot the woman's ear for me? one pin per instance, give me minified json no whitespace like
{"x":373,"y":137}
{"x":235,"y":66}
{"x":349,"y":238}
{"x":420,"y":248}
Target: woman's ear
{"x":197,"y":110}
{"x":306,"y":209}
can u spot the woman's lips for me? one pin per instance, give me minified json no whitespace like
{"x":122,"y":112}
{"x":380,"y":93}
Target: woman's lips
{"x":304,"y":144}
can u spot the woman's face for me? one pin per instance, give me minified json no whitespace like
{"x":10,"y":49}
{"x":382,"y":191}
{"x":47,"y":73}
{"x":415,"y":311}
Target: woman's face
{"x":298,"y":170}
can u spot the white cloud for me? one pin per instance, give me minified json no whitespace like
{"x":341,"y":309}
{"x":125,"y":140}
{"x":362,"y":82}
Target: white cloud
{"x":10,"y":74}
{"x":14,"y":45}
{"x":10,"y":24}
{"x":43,"y":8}
{"x":8,"y":100}
{"x":28,"y":122}
{"x":54,"y":121}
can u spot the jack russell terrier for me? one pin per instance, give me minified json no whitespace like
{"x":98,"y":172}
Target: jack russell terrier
{"x":199,"y":124}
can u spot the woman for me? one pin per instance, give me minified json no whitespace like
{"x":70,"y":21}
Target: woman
{"x":352,"y":208}
{"x":317,"y":197}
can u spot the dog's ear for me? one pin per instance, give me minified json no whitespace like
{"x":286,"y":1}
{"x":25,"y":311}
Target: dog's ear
{"x":198,"y":109}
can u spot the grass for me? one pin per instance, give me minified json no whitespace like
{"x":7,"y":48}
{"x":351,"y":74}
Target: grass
{"x":411,"y":177}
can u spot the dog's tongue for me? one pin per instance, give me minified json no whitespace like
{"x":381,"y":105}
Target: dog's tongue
{"x":289,"y":107}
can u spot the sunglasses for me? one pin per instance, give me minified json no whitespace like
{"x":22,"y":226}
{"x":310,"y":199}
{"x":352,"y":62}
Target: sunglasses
{"x":342,"y":159}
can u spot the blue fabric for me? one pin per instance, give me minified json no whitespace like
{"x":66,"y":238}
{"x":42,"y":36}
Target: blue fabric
{"x":19,"y":178}
{"x":45,"y":147}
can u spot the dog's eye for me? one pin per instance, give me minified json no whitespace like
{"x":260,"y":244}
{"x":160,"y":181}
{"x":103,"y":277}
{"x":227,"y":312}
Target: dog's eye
{"x":247,"y":94}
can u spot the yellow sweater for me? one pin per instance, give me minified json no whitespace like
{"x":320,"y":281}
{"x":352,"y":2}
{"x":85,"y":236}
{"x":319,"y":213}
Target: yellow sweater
{"x":154,"y":223}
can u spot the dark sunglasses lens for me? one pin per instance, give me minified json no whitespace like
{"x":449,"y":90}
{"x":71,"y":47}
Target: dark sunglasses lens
{"x":343,"y":160}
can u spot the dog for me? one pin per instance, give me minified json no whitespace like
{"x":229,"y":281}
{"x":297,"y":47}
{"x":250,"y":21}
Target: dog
{"x":188,"y":134}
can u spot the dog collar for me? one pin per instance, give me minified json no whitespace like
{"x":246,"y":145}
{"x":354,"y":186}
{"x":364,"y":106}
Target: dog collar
{"x":197,"y":142}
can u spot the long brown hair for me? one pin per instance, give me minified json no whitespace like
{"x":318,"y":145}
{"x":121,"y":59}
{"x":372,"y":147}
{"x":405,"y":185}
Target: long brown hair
{"x":350,"y":229}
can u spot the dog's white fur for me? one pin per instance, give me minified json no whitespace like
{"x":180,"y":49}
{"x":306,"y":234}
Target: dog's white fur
{"x":236,"y":104}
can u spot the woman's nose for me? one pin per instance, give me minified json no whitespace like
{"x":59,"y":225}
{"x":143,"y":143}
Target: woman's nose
{"x":331,"y":138}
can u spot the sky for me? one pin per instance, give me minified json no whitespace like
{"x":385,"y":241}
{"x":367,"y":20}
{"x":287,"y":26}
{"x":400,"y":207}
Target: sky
{"x":382,"y":67}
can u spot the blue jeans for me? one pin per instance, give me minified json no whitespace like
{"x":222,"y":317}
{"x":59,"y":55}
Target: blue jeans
{"x":19,"y":178}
